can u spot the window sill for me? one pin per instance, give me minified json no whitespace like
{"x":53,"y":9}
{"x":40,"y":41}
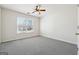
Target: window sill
{"x":26,"y":32}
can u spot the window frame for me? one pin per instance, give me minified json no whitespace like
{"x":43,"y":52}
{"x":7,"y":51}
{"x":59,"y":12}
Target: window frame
{"x":24,"y":32}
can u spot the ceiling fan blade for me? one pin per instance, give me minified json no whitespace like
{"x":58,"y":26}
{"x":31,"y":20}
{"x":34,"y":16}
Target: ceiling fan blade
{"x":42,"y":10}
{"x":36,"y":8}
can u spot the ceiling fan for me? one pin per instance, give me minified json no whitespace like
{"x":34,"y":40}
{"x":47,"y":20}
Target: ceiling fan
{"x":38,"y":9}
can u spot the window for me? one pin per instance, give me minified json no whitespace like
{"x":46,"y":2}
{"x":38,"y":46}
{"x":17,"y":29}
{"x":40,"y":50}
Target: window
{"x":24,"y":25}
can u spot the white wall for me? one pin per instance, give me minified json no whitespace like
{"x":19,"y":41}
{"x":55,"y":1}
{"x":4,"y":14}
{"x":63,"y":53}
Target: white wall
{"x":60,"y":23}
{"x":0,"y":25}
{"x":9,"y":26}
{"x":78,"y":26}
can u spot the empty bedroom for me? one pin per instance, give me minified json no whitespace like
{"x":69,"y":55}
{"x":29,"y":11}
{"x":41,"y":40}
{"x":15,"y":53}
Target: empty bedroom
{"x":38,"y":29}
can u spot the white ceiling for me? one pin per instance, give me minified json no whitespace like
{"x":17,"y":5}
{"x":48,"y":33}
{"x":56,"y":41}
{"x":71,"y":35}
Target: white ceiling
{"x":23,"y":8}
{"x":50,"y":8}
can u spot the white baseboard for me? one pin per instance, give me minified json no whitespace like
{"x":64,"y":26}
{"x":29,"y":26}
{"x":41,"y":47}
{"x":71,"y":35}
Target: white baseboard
{"x":19,"y":38}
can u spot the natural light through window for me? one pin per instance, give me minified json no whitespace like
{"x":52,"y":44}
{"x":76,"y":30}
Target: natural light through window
{"x":24,"y":25}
